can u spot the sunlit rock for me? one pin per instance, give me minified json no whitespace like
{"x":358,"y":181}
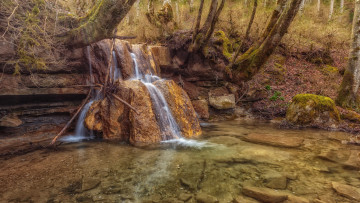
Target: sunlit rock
{"x":123,"y":50}
{"x":144,"y":127}
{"x":181,"y":108}
{"x":118,"y":122}
{"x":222,"y":102}
{"x":310,"y":109}
{"x":161,"y":55}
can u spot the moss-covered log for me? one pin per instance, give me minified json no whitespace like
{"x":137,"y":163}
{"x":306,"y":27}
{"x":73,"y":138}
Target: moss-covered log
{"x":99,"y":24}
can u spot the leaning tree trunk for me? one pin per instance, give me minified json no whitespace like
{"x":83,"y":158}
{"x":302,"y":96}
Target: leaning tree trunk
{"x":331,"y":11}
{"x":247,"y":65}
{"x":99,"y":24}
{"x":347,"y":96}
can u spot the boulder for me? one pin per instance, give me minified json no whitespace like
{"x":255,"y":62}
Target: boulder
{"x":313,"y":110}
{"x":296,"y":199}
{"x":143,"y":59}
{"x":10,"y":121}
{"x":264,"y":194}
{"x":181,"y":108}
{"x":274,"y":140}
{"x":347,"y":191}
{"x":275,"y":180}
{"x":222,"y":102}
{"x":118,"y":122}
{"x":205,"y":198}
{"x":201,"y":107}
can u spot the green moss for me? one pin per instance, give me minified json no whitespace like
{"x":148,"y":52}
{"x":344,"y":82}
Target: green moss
{"x":329,"y":70}
{"x":225,"y":44}
{"x":309,"y":106}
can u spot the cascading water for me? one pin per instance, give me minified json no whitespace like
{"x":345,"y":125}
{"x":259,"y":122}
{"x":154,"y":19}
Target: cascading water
{"x":168,"y":126}
{"x":116,"y":71}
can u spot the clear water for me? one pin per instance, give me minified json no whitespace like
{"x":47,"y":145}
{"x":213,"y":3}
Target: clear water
{"x":219,"y":164}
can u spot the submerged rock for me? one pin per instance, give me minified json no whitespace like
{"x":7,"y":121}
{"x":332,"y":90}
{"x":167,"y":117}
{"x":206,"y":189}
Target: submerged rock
{"x":275,"y":180}
{"x":181,"y":108}
{"x":274,"y":140}
{"x":205,"y":198}
{"x":310,"y":109}
{"x":264,"y":194}
{"x":347,"y":191}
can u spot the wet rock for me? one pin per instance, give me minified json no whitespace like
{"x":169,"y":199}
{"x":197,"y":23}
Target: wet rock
{"x":10,"y":121}
{"x":347,"y":191}
{"x":275,"y":180}
{"x":143,"y":59}
{"x":181,"y":108}
{"x":222,"y":102}
{"x":171,"y":200}
{"x":185,"y":197}
{"x":188,"y":184}
{"x":205,"y":198}
{"x":111,"y":189}
{"x":89,"y":183}
{"x":144,"y":125}
{"x":125,"y":62}
{"x":295,"y":199}
{"x":274,"y":140}
{"x":264,"y":194}
{"x":118,"y":122}
{"x":201,"y":107}
{"x":98,"y":198}
{"x":354,"y":160}
{"x":84,"y":198}
{"x":314,"y":110}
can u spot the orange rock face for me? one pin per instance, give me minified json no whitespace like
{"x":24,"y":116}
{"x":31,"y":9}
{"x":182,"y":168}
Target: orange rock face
{"x":117,"y":122}
{"x":144,"y":127}
{"x":181,"y":108}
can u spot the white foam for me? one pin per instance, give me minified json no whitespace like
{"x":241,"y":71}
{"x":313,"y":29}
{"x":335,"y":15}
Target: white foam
{"x":74,"y":138}
{"x":187,"y":143}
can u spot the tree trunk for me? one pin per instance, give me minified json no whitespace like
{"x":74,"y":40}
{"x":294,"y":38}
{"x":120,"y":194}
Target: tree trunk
{"x":341,"y":6}
{"x":274,"y":18}
{"x":98,"y":24}
{"x":331,"y":9}
{"x":246,"y":33}
{"x":347,"y":96}
{"x":250,"y":63}
{"x":318,"y":6}
{"x":210,"y":17}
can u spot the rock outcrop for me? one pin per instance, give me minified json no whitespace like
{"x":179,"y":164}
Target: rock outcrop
{"x":181,"y":108}
{"x":312,"y":110}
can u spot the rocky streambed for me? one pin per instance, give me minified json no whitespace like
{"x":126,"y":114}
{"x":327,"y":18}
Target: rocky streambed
{"x":234,"y":161}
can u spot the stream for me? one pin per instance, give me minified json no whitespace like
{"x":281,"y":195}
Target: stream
{"x":217,"y":165}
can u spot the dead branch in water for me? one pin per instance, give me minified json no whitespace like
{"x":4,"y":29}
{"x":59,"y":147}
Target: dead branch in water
{"x":127,"y":104}
{"x":72,"y":119}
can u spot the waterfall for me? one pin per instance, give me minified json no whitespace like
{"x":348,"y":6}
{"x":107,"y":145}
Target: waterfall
{"x":116,"y":71}
{"x":168,"y":126}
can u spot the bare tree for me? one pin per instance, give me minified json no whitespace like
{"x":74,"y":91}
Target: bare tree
{"x":331,"y":11}
{"x":341,"y":6}
{"x":318,"y":6}
{"x":248,"y":64}
{"x":99,"y":24}
{"x":347,"y":96}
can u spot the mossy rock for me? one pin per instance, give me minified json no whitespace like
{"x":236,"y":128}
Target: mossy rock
{"x":312,"y":110}
{"x":352,"y":116}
